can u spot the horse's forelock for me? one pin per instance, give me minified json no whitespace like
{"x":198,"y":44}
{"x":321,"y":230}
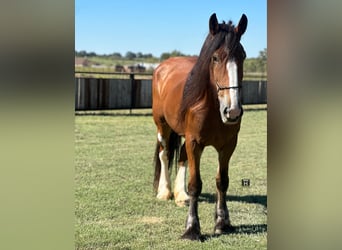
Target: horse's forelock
{"x":226,"y":37}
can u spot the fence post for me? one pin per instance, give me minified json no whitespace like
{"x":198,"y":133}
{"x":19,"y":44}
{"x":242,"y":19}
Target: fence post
{"x":131,"y":77}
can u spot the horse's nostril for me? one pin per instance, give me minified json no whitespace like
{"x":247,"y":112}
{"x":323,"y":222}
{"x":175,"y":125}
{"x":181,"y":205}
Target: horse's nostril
{"x":225,"y":111}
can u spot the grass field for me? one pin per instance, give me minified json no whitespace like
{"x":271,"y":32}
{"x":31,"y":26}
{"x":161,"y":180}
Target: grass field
{"x":115,"y":204}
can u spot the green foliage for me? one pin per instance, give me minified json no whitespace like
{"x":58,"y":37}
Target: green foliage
{"x":117,"y":209}
{"x":130,"y":55}
{"x":258,"y":64}
{"x":115,"y":55}
{"x":84,"y":53}
{"x":167,"y":55}
{"x":251,"y":65}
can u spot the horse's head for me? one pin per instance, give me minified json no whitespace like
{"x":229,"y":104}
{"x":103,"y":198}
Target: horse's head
{"x":226,"y":66}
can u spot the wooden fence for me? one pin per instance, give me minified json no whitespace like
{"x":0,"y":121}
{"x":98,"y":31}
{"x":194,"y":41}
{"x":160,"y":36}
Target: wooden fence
{"x":102,"y":94}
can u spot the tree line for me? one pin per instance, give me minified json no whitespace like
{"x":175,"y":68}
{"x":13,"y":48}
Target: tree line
{"x":258,"y":64}
{"x":129,"y":55}
{"x":116,"y":55}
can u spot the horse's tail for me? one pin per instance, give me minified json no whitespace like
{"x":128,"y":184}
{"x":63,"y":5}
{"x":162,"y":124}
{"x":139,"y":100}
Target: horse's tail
{"x":173,"y":153}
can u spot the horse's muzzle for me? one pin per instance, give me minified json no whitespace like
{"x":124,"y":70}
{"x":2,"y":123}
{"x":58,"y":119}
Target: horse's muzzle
{"x":232,"y":116}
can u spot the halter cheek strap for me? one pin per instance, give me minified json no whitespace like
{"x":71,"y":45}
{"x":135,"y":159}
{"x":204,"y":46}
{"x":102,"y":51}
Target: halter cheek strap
{"x":219,"y":87}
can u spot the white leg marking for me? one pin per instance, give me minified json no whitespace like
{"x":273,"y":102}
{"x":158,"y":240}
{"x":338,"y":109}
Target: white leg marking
{"x":181,"y":197}
{"x":164,"y":188}
{"x":160,"y":138}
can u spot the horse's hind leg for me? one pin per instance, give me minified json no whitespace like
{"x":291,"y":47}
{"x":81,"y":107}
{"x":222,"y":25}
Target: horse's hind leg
{"x":181,"y":197}
{"x":164,"y":186}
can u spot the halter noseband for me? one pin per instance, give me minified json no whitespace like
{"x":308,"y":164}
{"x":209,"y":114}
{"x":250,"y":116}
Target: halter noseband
{"x":223,"y":88}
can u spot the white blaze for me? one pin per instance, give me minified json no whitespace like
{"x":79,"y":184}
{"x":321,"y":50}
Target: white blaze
{"x":233,"y":82}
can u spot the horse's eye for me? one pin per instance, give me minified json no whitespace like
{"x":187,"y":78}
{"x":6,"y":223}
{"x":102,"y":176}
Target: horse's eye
{"x":215,"y":59}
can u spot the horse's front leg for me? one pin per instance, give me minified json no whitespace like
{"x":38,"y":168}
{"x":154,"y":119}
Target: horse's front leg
{"x":222,"y":221}
{"x":192,"y":226}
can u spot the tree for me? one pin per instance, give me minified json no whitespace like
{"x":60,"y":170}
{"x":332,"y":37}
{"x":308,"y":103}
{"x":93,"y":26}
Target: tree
{"x":176,"y":53}
{"x":258,"y":64}
{"x":165,"y":56}
{"x":262,"y":60}
{"x":130,"y":55}
{"x":149,"y":55}
{"x":91,"y":54}
{"x":81,"y":53}
{"x":263,"y":54}
{"x":250,"y":65}
{"x":116,"y":55}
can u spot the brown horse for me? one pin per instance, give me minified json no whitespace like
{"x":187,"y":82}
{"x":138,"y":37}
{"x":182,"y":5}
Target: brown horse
{"x":199,"y":98}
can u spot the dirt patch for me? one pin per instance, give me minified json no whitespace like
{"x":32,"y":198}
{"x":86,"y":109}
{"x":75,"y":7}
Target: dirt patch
{"x":151,"y":220}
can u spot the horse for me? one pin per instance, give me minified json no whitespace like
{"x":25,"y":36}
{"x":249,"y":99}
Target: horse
{"x":199,"y":99}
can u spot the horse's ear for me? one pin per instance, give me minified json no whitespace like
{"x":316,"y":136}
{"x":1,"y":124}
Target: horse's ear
{"x":242,"y":26}
{"x":213,"y":24}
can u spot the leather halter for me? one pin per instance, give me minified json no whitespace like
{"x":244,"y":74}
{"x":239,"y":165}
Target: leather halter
{"x":223,"y":88}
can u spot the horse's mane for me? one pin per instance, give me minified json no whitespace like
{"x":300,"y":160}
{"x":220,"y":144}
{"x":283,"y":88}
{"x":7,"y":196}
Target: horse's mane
{"x":199,"y":77}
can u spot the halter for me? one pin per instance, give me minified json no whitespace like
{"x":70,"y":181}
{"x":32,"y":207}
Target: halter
{"x":223,"y":88}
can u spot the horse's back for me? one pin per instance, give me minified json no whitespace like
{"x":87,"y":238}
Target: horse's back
{"x":168,"y":84}
{"x":172,"y":72}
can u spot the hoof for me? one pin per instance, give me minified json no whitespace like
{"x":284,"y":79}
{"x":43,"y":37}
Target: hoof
{"x":182,"y":199}
{"x":227,"y":229}
{"x":192,"y":234}
{"x":164,"y":195}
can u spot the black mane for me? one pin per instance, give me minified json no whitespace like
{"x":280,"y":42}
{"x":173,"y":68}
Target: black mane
{"x":199,"y":77}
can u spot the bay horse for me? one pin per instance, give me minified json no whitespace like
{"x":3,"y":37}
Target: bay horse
{"x":199,"y":98}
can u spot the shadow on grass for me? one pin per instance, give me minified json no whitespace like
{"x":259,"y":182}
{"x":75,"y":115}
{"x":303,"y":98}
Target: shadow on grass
{"x":240,"y":229}
{"x":257,"y":199}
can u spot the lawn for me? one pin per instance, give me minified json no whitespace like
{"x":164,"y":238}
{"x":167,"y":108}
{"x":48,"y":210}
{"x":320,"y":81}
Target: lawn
{"x":115,"y":204}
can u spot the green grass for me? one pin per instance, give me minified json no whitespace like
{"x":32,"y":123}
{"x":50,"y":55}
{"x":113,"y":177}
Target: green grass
{"x":115,"y":204}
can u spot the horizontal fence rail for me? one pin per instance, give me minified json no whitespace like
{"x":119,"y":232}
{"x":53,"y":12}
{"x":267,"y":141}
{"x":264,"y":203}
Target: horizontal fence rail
{"x":131,"y":93}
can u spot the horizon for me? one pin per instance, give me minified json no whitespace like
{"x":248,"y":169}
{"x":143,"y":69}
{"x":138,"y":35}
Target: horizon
{"x":123,"y":55}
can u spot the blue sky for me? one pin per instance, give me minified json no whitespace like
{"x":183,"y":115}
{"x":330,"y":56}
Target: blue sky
{"x":151,"y":26}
